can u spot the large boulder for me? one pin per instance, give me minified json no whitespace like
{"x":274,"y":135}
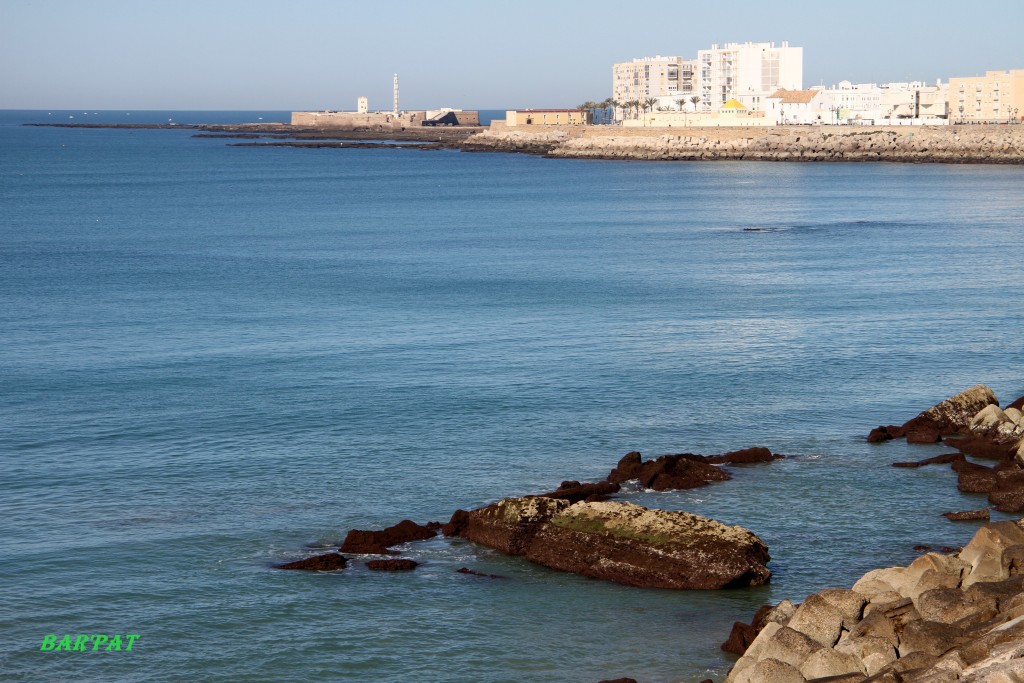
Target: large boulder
{"x":509,"y":525}
{"x":952,"y":416}
{"x":632,"y":545}
{"x":377,"y":542}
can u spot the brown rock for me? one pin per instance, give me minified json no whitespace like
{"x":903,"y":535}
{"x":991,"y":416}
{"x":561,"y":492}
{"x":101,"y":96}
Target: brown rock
{"x":980,"y":447}
{"x":1008,"y":494}
{"x":967,"y":515}
{"x":632,"y":545}
{"x":974,"y":478}
{"x":937,"y":460}
{"x":951,"y":416}
{"x":458,"y":522}
{"x":885,"y":433}
{"x":378,"y":542}
{"x":1018,"y":404}
{"x":923,"y":434}
{"x":744,"y":456}
{"x":392,"y":565}
{"x":510,"y":524}
{"x":317,"y":563}
{"x":668,"y":472}
{"x":740,"y":638}
{"x":628,"y":468}
{"x":618,"y":680}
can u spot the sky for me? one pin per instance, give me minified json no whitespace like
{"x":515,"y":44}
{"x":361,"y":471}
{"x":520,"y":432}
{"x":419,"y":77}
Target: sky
{"x":262,"y":55}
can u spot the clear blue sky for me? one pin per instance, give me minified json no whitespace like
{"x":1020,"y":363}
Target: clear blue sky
{"x":229,"y":54}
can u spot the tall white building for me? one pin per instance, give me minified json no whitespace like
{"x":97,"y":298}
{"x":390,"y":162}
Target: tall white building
{"x":653,"y":77}
{"x":748,"y":72}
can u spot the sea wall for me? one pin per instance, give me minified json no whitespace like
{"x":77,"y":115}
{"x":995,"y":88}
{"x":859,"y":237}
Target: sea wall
{"x":947,"y":144}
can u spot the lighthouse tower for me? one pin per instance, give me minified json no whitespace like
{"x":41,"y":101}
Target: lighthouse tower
{"x":396,"y":95}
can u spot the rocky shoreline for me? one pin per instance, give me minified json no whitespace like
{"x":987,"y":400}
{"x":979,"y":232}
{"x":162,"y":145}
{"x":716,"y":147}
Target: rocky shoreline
{"x":996,"y":144}
{"x":944,"y":617}
{"x":941,"y":144}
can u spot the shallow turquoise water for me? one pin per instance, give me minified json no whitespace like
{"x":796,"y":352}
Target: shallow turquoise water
{"x":213,"y":356}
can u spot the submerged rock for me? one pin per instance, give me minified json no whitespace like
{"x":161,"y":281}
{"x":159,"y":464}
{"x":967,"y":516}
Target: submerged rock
{"x":632,"y":545}
{"x":317,"y":563}
{"x":744,"y":456}
{"x":397,"y":565}
{"x":967,"y":515}
{"x":574,"y":491}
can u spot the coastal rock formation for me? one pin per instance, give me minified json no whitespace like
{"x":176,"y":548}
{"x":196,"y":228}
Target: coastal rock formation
{"x":377,"y":542}
{"x":621,"y":542}
{"x":318,"y":563}
{"x":632,"y":545}
{"x":941,"y":618}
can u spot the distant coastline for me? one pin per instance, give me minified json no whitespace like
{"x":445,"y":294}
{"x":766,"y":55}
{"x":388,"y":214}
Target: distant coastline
{"x":970,"y":144}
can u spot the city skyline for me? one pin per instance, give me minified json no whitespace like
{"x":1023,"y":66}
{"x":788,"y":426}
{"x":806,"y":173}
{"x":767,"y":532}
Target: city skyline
{"x":111,"y":54}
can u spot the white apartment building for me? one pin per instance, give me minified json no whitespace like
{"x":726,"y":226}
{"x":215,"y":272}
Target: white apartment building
{"x":653,"y":77}
{"x":896,"y":103}
{"x":748,"y":72}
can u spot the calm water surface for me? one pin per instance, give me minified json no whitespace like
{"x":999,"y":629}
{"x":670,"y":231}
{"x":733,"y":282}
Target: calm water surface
{"x":213,"y":356}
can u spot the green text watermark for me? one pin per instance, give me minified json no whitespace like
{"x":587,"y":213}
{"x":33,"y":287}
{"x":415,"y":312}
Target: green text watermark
{"x":84,"y":642}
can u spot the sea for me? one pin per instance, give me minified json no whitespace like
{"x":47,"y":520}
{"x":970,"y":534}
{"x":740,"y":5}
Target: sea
{"x":214,"y":359}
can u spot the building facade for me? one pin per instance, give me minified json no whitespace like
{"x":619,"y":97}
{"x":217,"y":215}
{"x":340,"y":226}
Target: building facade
{"x":653,"y":77}
{"x":546,"y":117}
{"x":996,"y":97}
{"x":747,"y":72}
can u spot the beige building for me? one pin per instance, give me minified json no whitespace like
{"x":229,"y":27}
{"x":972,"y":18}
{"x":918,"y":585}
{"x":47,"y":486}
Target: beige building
{"x":546,"y":117}
{"x":996,"y":97}
{"x":653,"y":77}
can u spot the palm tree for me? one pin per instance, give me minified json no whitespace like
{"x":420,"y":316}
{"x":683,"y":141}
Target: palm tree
{"x":681,"y":103}
{"x":649,"y":105}
{"x":634,"y":106}
{"x":608,"y":105}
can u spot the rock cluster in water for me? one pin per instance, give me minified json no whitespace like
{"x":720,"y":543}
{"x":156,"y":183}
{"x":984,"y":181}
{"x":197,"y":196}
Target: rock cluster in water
{"x":973,"y":423}
{"x":941,"y":618}
{"x":575,"y":528}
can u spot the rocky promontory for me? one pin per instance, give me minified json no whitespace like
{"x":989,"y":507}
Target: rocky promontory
{"x":943,"y":144}
{"x":942,"y":618}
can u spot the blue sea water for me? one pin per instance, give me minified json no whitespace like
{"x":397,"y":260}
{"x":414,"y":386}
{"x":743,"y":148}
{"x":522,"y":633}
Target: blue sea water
{"x":213,"y":356}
